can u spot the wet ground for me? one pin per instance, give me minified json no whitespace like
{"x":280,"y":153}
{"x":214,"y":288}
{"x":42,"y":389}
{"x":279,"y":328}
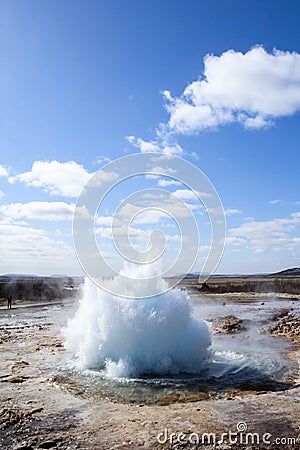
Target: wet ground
{"x":251,"y":385}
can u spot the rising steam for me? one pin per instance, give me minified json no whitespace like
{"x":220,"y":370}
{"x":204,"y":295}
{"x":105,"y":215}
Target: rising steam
{"x":127,"y":338}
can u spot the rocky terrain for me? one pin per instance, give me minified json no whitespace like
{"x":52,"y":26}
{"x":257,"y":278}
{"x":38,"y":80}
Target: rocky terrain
{"x":288,"y":326}
{"x":37,"y":412}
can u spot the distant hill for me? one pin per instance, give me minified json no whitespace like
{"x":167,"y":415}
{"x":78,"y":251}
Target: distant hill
{"x":295,"y":271}
{"x":19,"y":275}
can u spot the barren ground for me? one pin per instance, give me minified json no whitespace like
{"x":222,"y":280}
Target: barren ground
{"x":36,"y":412}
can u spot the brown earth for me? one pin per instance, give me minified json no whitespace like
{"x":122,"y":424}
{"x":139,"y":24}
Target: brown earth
{"x":222,"y":284}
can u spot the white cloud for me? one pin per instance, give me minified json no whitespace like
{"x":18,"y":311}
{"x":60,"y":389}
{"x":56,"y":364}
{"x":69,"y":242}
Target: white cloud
{"x":2,"y":194}
{"x":3,"y":171}
{"x":155,"y":208}
{"x":264,"y":236}
{"x":104,"y":220}
{"x":155,"y":146}
{"x":56,"y":178}
{"x":164,"y":183}
{"x":189,"y":195}
{"x":252,"y":88}
{"x":275,"y":202}
{"x":255,"y":122}
{"x":186,"y":194}
{"x":118,"y":232}
{"x":137,"y":214}
{"x":232,"y":240}
{"x":101,"y":177}
{"x":53,"y":211}
{"x":25,"y":249}
{"x":154,"y":172}
{"x":102,"y":160}
{"x":195,"y":156}
{"x":150,"y":216}
{"x":232,"y":211}
{"x":139,"y":239}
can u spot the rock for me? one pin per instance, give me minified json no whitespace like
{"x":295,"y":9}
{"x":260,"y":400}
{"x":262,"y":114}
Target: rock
{"x":4,"y":377}
{"x":17,"y":379}
{"x":228,"y":324}
{"x":22,"y":446}
{"x":47,"y":444}
{"x":19,"y":365}
{"x":281,"y":313}
{"x":35,"y":411}
{"x":288,"y":326}
{"x":4,"y":398}
{"x":204,"y":287}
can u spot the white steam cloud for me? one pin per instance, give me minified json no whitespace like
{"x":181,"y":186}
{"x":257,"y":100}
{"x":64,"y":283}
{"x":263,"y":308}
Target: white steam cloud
{"x":128,"y":338}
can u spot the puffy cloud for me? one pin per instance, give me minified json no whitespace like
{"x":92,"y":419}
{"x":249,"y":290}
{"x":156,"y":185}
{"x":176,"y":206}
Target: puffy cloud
{"x":53,"y":211}
{"x":155,"y":146}
{"x":3,"y":171}
{"x":252,"y":88}
{"x":189,"y":195}
{"x":56,"y":178}
{"x":186,"y":195}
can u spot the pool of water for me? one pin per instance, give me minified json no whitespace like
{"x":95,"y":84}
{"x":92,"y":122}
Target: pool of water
{"x":226,"y":371}
{"x":250,"y":360}
{"x":247,"y":361}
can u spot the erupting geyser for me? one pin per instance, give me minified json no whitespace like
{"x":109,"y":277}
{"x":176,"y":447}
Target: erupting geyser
{"x":129,"y":338}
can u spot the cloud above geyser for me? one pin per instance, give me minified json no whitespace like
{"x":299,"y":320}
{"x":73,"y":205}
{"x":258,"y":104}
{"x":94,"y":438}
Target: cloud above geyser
{"x":252,"y":88}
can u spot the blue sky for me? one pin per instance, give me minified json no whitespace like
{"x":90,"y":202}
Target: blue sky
{"x":79,"y":78}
